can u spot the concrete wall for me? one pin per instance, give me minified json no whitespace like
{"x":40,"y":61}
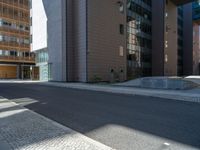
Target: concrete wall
{"x":171,"y":40}
{"x":104,"y":39}
{"x":80,"y":40}
{"x":56,"y":28}
{"x":187,"y":40}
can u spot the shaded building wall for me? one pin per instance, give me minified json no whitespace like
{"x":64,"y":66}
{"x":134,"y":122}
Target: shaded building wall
{"x":187,"y":40}
{"x":180,"y":40}
{"x":171,"y":40}
{"x":70,"y":41}
{"x":196,"y":49}
{"x":158,"y":29}
{"x":56,"y":40}
{"x":79,"y":40}
{"x":106,"y":47}
{"x":164,"y":38}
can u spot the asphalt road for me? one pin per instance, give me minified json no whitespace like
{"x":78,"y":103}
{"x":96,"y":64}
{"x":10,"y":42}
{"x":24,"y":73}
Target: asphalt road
{"x":121,"y":121}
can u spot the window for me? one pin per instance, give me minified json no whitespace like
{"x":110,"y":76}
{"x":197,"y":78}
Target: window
{"x":121,"y":51}
{"x":121,"y":29}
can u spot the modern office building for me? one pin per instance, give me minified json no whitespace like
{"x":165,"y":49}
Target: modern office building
{"x":170,"y":25}
{"x":16,"y":60}
{"x":83,"y":44}
{"x":93,"y":40}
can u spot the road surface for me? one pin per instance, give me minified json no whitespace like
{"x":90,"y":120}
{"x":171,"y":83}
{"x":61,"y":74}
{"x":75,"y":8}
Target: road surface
{"x":120,"y":121}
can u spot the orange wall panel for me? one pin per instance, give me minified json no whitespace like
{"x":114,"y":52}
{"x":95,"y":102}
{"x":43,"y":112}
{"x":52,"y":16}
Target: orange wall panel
{"x":8,"y":72}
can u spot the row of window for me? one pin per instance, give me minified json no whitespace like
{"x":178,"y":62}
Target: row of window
{"x":5,"y":38}
{"x":148,"y":2}
{"x":15,"y":53}
{"x":14,"y":25}
{"x":139,"y":56}
{"x":140,"y":10}
{"x":139,"y":33}
{"x":138,"y":25}
{"x":13,"y":13}
{"x":42,"y":56}
{"x":19,"y":2}
{"x":139,"y":41}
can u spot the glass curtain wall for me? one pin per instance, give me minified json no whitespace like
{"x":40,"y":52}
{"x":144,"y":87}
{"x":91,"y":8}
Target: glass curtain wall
{"x":139,"y":34}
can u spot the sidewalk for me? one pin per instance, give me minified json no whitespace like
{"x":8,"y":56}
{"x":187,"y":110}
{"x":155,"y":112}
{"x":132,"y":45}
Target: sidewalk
{"x":22,"y":129}
{"x":192,"y":95}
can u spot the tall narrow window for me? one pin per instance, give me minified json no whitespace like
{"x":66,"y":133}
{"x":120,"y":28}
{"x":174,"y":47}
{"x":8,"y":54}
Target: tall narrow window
{"x":121,"y":29}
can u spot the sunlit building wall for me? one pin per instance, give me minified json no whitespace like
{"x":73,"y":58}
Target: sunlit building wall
{"x":16,"y":60}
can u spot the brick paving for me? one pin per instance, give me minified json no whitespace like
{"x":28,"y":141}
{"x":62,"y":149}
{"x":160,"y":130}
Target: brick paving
{"x":22,"y":129}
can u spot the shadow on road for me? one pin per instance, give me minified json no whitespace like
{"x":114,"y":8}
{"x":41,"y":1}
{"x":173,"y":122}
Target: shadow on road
{"x":86,"y":111}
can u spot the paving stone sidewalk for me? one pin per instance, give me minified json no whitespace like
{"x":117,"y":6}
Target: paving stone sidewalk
{"x":182,"y":95}
{"x":22,"y":129}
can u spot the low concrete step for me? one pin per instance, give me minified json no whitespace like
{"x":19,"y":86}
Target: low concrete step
{"x":173,"y":83}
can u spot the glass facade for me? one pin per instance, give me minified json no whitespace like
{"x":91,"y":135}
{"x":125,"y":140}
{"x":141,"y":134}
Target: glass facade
{"x":42,"y":62}
{"x":139,"y":35}
{"x":42,"y":56}
{"x":196,"y":10}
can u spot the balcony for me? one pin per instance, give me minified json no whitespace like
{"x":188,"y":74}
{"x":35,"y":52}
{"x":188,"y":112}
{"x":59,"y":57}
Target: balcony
{"x":14,"y":18}
{"x":24,"y":6}
{"x":14,"y":46}
{"x":15,"y":32}
{"x":15,"y":59}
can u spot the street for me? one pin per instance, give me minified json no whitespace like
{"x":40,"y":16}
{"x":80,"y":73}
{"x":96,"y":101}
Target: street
{"x":120,"y":121}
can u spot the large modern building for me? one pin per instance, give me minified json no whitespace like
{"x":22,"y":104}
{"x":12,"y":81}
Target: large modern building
{"x":16,"y":60}
{"x":93,"y":40}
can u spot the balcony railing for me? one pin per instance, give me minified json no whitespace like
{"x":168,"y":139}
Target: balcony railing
{"x":14,"y":45}
{"x":17,"y":59}
{"x":25,"y":5}
{"x":14,"y":31}
{"x":19,"y":19}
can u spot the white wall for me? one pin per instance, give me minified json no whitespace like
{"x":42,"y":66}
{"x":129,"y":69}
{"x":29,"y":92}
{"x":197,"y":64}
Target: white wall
{"x":39,"y":25}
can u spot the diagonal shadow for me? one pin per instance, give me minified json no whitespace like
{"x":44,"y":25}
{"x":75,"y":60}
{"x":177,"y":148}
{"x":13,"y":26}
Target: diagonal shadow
{"x":87,"y":111}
